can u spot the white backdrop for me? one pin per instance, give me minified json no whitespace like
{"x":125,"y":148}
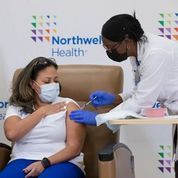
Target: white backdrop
{"x":76,"y":22}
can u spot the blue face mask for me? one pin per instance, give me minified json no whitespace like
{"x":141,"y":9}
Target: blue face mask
{"x":49,"y":92}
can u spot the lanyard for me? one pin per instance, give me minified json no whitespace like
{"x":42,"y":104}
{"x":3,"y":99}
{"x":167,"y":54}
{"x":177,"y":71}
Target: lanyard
{"x":136,"y":71}
{"x":137,"y":62}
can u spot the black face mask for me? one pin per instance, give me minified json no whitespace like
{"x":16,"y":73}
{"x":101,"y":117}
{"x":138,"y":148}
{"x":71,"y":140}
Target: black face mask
{"x":115,"y":56}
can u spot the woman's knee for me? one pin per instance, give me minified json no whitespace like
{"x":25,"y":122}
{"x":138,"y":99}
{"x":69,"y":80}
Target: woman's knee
{"x":15,"y":169}
{"x":11,"y":171}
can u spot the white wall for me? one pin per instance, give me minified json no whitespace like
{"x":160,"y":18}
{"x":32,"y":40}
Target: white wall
{"x":85,"y":19}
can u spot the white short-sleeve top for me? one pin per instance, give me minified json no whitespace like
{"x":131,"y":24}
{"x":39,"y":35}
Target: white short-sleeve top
{"x":45,"y":139}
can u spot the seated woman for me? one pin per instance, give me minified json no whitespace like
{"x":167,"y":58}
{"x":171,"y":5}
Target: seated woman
{"x":46,"y":143}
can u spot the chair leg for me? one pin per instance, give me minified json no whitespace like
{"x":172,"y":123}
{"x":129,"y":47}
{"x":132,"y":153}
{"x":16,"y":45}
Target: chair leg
{"x":107,"y":169}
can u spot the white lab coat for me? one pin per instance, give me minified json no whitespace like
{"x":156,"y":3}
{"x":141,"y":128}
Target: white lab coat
{"x":158,"y":73}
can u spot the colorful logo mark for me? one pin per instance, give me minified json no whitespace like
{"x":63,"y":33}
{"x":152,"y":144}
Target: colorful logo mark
{"x":165,"y":159}
{"x":168,"y":25}
{"x":43,"y":28}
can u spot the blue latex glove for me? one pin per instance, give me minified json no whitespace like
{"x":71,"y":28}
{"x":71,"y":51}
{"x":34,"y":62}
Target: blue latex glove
{"x":102,"y":98}
{"x":83,"y":116}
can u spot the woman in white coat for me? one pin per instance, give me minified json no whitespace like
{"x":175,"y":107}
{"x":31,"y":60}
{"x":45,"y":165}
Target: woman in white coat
{"x":154,"y":61}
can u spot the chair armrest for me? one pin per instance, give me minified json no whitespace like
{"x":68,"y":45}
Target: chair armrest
{"x":5,"y":152}
{"x":116,"y":156}
{"x":106,"y":162}
{"x":124,"y":161}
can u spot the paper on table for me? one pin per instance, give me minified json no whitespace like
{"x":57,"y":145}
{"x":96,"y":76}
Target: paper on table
{"x":121,"y":114}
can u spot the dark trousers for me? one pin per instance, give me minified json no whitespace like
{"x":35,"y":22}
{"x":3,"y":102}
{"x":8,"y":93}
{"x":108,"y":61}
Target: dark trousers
{"x":176,"y":169}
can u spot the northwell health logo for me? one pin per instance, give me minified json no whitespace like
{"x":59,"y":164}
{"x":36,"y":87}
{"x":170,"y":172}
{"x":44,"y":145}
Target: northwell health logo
{"x":3,"y":108}
{"x":45,"y":29}
{"x":168,"y":25}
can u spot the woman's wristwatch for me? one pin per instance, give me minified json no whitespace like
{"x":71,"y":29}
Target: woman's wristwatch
{"x":45,"y":163}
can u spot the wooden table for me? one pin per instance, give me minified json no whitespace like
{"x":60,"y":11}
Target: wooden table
{"x":140,"y":121}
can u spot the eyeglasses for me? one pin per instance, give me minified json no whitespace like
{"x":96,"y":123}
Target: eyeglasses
{"x":115,"y":46}
{"x":44,"y":61}
{"x":41,"y":63}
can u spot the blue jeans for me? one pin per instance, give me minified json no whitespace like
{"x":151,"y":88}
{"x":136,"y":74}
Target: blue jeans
{"x":61,"y":170}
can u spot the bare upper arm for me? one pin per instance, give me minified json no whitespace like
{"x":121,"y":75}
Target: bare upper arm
{"x":75,"y":132}
{"x":10,"y":123}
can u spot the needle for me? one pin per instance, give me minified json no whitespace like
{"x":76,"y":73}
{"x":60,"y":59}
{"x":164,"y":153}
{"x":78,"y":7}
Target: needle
{"x":82,"y":107}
